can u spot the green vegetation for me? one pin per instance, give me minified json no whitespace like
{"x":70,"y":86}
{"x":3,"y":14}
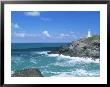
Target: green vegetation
{"x":95,"y":37}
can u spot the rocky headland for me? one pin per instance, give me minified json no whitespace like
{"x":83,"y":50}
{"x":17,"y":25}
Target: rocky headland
{"x":31,"y":72}
{"x":85,"y":47}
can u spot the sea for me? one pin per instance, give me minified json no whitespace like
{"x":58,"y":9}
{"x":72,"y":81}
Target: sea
{"x":35,"y":55}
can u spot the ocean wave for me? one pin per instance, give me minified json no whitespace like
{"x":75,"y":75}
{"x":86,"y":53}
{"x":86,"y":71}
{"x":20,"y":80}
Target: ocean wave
{"x":77,"y":73}
{"x":64,"y":64}
{"x":33,"y":61}
{"x":17,"y":60}
{"x":81,"y":72}
{"x":63,"y":74}
{"x":12,"y":72}
{"x":53,"y":55}
{"x":81,"y":59}
{"x":40,"y":52}
{"x":43,"y":52}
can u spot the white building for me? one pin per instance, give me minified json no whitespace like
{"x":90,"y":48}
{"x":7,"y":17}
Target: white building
{"x":89,"y":33}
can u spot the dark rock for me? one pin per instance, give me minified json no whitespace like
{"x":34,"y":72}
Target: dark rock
{"x":86,"y":47}
{"x":31,"y":72}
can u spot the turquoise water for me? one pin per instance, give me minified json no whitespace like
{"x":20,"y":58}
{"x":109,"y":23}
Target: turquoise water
{"x":34,"y":55}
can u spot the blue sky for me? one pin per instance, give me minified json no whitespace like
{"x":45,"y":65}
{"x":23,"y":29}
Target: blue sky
{"x":53,"y":26}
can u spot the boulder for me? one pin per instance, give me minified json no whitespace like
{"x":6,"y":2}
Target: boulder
{"x":31,"y":72}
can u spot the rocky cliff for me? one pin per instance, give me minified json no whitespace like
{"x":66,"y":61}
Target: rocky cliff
{"x":85,"y":47}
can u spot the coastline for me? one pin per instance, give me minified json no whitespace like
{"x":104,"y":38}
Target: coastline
{"x":75,"y":66}
{"x":84,"y":48}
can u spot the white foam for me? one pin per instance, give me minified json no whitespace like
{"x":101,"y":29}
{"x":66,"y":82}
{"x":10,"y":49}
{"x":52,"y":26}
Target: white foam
{"x":81,"y":59}
{"x":43,"y":52}
{"x":82,"y":72}
{"x":86,"y":60}
{"x":40,"y":52}
{"x":65,"y":63}
{"x":33,"y":61}
{"x":12,"y":72}
{"x":53,"y":55}
{"x":62,"y":75}
{"x":77,"y":73}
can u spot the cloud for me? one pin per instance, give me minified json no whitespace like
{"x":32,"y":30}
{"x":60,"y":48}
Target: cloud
{"x":45,"y":19}
{"x":70,"y":35}
{"x":74,"y":32}
{"x":46,"y":34}
{"x":62,"y":35}
{"x":21,"y":34}
{"x":75,"y":35}
{"x":15,"y":26}
{"x":32,"y":13}
{"x":24,"y":34}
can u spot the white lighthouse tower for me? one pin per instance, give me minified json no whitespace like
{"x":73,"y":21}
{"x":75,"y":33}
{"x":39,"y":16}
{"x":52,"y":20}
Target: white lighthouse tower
{"x":89,"y":33}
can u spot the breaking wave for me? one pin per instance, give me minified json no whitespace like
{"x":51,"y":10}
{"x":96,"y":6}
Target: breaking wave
{"x":81,"y":59}
{"x":77,"y":73}
{"x":56,"y":65}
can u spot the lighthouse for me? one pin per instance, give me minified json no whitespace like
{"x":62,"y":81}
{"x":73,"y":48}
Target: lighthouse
{"x":89,"y":33}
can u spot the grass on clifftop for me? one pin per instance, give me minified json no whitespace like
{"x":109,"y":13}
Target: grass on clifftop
{"x":95,"y":37}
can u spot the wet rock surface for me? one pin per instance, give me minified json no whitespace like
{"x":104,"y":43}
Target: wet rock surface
{"x":31,"y":72}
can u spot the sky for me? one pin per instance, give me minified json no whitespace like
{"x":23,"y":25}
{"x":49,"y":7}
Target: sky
{"x":53,"y":26}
